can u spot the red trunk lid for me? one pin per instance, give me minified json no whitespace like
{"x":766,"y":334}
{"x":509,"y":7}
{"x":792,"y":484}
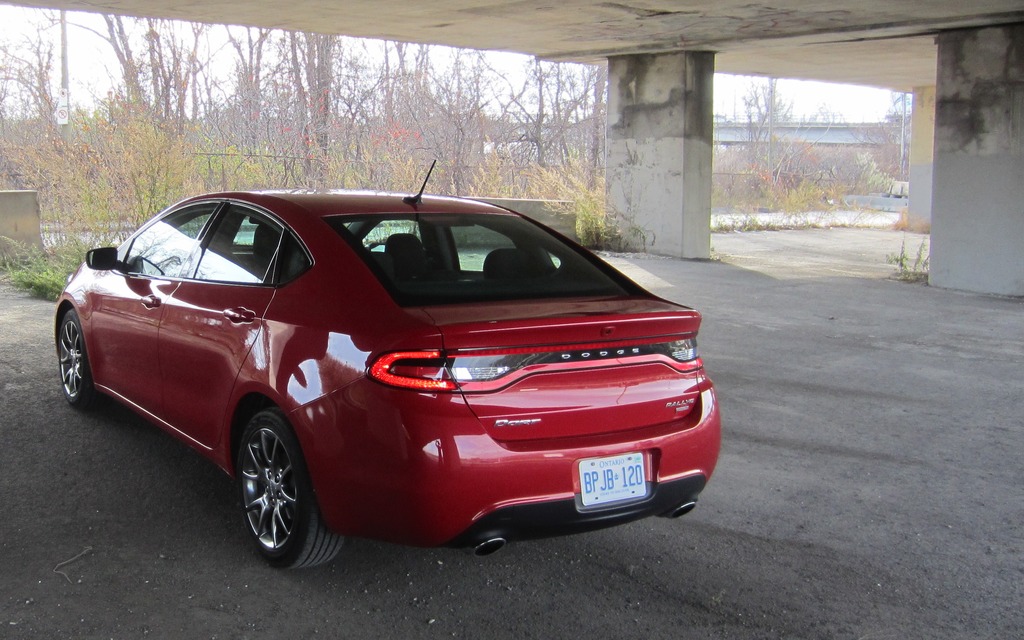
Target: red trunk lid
{"x":574,"y":368}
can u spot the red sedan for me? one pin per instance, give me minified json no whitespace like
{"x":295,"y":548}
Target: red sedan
{"x":426,"y":371}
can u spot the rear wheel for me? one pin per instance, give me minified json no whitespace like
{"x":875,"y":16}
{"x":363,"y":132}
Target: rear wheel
{"x":75,"y":375}
{"x":277,"y":496}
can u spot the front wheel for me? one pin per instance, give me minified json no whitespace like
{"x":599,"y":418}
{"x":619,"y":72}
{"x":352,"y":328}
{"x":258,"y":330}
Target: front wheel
{"x":277,"y":496}
{"x":75,"y":375}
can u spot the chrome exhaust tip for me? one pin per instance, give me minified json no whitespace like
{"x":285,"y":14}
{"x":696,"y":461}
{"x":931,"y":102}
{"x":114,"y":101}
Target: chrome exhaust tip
{"x":488,"y":547}
{"x":681,"y":510}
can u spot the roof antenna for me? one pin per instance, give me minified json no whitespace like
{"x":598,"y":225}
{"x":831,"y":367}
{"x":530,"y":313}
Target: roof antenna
{"x":419,"y":196}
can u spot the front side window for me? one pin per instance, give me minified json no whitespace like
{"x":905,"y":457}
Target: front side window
{"x":452,"y":258}
{"x":241,"y":249}
{"x":163,"y":248}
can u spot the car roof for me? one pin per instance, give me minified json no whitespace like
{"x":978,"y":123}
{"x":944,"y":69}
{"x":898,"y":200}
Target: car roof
{"x":337,"y":202}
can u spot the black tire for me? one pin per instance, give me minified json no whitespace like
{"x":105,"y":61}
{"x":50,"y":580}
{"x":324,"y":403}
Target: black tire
{"x":278,"y":503}
{"x":73,"y":363}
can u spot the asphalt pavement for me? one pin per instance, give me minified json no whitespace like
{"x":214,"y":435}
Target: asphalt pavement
{"x":870,"y":486}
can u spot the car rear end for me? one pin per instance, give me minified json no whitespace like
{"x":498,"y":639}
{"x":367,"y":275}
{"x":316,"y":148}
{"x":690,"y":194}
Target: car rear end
{"x":552,"y":396}
{"x":583,"y":420}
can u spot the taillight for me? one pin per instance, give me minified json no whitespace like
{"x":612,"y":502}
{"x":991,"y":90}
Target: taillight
{"x":418,"y":370}
{"x":433,"y":370}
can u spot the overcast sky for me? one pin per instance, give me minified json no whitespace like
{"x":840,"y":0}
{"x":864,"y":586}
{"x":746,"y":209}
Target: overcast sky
{"x":91,"y":63}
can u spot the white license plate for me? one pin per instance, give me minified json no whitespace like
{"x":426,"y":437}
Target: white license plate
{"x":612,"y":479}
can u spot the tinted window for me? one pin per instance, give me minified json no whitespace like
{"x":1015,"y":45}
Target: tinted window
{"x":241,"y":248}
{"x":292,"y":260}
{"x":439,"y":259}
{"x":165,"y":246}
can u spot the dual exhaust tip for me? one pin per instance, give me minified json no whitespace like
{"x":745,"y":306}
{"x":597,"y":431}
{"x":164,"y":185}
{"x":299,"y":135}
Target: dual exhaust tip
{"x":493,"y":545}
{"x":487,"y":547}
{"x":681,"y":510}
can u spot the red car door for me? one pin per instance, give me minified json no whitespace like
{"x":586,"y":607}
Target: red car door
{"x":126,"y":316}
{"x":127,"y":305}
{"x":212,"y":321}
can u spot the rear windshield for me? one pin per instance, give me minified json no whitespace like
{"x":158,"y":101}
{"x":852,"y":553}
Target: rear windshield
{"x":453,"y":258}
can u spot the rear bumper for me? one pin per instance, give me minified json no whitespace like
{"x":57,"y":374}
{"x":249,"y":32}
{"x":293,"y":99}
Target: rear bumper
{"x":562,"y":517}
{"x":422,"y":472}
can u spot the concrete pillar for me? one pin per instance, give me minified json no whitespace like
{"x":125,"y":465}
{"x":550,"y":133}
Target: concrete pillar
{"x":922,"y":152}
{"x":660,"y":136}
{"x":978,"y":200}
{"x":19,"y":221}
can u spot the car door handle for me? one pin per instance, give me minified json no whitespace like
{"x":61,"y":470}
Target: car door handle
{"x":151,"y":302}
{"x":240,"y":315}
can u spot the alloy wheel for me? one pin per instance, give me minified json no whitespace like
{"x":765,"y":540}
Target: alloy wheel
{"x":268,"y":489}
{"x":71,"y":359}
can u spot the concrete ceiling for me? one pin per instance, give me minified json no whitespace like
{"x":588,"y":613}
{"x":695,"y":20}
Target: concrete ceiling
{"x":885,"y":43}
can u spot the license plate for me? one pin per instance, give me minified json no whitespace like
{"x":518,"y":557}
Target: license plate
{"x":613,"y":479}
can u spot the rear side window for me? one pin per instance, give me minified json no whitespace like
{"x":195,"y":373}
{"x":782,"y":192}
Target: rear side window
{"x":292,"y":260}
{"x":241,"y":248}
{"x":448,"y":258}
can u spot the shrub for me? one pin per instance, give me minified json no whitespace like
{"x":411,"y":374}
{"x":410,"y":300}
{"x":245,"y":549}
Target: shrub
{"x":42,"y":272}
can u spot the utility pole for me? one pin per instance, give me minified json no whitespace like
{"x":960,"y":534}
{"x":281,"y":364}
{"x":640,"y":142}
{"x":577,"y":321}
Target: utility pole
{"x":63,"y":113}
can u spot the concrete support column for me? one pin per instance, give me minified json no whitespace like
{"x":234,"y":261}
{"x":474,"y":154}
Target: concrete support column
{"x":922,"y":153}
{"x":978,"y":200}
{"x":19,"y":221}
{"x":660,"y":136}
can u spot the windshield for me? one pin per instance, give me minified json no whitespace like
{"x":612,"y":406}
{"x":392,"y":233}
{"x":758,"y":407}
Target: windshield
{"x":448,"y":258}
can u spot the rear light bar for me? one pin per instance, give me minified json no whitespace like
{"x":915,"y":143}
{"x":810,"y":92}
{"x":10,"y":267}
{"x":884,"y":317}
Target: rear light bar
{"x":491,"y":364}
{"x":433,"y":370}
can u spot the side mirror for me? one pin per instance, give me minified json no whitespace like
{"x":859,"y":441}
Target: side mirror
{"x":103,"y":259}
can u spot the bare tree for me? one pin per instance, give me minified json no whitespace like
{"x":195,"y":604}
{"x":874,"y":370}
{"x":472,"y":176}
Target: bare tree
{"x":174,"y":67}
{"x":120,"y":41}
{"x":250,"y":47}
{"x":311,"y":66}
{"x":453,"y":116}
{"x":26,"y":70}
{"x":359,"y":86}
{"x":301,"y":109}
{"x":765,"y":107}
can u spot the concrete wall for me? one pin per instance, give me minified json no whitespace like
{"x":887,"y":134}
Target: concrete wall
{"x":553,"y":213}
{"x":922,"y":155}
{"x":19,"y":219}
{"x":660,"y":136}
{"x":978,"y":207}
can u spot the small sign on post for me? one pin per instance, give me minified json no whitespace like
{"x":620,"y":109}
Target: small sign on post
{"x":62,"y":113}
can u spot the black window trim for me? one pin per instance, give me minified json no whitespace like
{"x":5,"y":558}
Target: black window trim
{"x":205,"y":235}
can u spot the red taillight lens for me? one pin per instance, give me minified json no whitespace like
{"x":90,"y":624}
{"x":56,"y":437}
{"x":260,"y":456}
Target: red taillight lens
{"x":418,"y":370}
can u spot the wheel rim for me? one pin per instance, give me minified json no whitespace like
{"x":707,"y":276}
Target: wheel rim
{"x":268,"y":489}
{"x":71,"y":359}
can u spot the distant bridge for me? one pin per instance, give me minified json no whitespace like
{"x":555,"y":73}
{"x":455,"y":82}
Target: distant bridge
{"x":860,"y":134}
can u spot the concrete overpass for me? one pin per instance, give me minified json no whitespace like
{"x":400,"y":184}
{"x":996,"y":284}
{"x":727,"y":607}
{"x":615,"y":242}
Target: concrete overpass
{"x":817,"y":133}
{"x":966,"y":58}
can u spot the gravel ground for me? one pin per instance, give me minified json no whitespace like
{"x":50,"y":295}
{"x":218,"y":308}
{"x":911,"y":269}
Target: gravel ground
{"x":870,"y":486}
